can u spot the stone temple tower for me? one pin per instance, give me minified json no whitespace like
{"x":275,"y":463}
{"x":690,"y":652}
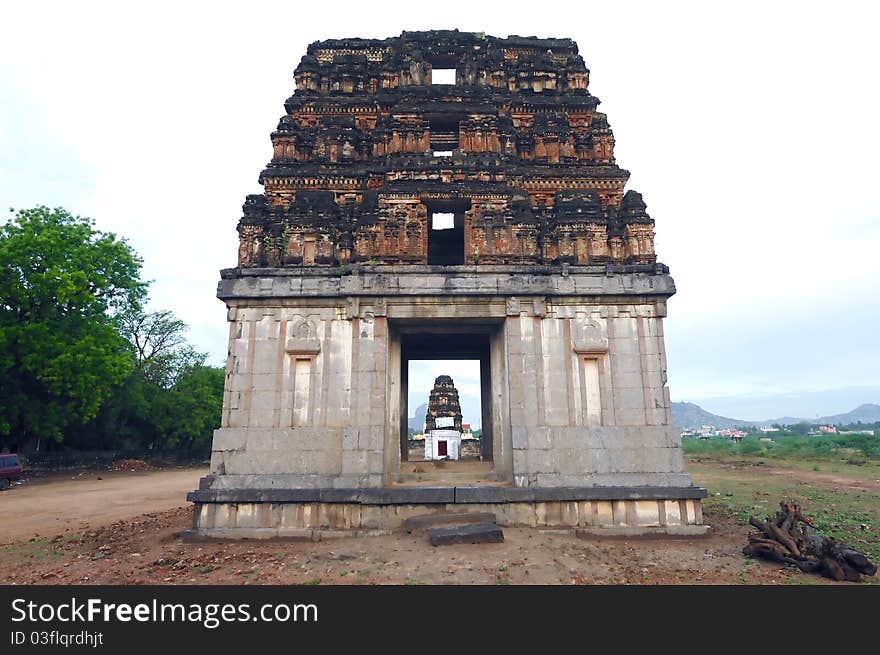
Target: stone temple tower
{"x":443,"y":402}
{"x":443,"y":421}
{"x":445,"y":195}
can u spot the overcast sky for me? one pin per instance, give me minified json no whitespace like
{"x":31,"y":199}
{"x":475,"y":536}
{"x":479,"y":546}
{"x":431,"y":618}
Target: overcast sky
{"x":751,"y":129}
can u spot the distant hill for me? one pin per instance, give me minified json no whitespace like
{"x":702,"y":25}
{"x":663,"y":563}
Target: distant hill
{"x":417,"y":421}
{"x":688,"y":416}
{"x":867,"y":413}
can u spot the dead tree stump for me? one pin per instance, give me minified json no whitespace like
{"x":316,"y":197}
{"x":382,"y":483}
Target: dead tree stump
{"x":782,"y":539}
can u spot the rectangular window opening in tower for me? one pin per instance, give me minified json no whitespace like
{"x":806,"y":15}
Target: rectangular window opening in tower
{"x":444,"y":132}
{"x":443,"y":76}
{"x":446,"y":239}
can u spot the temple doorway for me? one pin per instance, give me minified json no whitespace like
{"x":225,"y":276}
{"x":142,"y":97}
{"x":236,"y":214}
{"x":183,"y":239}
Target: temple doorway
{"x":467,"y":354}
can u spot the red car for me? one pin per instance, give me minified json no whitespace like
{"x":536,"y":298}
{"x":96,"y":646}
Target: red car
{"x":10,"y":469}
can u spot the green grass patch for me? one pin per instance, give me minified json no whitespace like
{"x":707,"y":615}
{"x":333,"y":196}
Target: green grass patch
{"x":852,"y":447}
{"x":39,"y":550}
{"x":848,"y":515}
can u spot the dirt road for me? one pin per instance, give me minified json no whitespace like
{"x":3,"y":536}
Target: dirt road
{"x":125,"y":529}
{"x":77,"y":501}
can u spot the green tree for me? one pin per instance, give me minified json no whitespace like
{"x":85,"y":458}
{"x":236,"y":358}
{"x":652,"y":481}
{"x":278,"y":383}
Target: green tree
{"x":802,"y":428}
{"x":160,"y":346}
{"x":169,"y":400}
{"x":187,"y":414}
{"x":62,"y":286}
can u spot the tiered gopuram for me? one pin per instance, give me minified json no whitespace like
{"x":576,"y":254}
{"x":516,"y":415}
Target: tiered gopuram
{"x":445,"y":195}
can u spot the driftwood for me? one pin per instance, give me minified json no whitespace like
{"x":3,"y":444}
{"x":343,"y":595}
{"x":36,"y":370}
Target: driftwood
{"x":787,"y":538}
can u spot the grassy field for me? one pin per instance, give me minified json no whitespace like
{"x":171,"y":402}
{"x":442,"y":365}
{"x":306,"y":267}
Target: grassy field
{"x":859,"y":448}
{"x":838,"y":485}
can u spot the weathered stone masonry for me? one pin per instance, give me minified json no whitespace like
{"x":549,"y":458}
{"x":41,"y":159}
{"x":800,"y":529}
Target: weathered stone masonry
{"x":548,"y":274}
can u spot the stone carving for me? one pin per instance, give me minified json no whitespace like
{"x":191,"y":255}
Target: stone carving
{"x":589,"y":336}
{"x":303,"y":340}
{"x":250,"y":248}
{"x":304,"y":330}
{"x":355,"y":149}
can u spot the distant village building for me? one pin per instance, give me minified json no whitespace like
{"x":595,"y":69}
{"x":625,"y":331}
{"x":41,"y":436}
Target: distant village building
{"x":769,"y":429}
{"x":828,"y":429}
{"x":735,"y":435}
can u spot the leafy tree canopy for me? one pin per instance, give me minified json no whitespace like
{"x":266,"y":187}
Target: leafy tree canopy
{"x":189,"y":412}
{"x":62,"y":285}
{"x":160,"y":346}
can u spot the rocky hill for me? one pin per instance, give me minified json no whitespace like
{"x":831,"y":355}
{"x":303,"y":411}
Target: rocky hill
{"x":417,"y":421}
{"x":689,"y":416}
{"x":686,"y":416}
{"x":867,"y":413}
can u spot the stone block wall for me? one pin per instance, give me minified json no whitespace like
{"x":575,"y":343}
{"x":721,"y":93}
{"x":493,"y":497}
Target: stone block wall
{"x":312,"y":395}
{"x":588,"y":402}
{"x":304,"y":404}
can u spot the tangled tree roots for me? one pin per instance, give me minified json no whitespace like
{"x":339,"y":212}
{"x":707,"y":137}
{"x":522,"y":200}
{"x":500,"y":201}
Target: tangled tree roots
{"x":781,"y":539}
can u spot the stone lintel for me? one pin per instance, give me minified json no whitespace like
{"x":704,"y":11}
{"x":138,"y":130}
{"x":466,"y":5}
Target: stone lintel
{"x":378,"y":496}
{"x":590,"y":347}
{"x":303,"y":346}
{"x":390,"y":281}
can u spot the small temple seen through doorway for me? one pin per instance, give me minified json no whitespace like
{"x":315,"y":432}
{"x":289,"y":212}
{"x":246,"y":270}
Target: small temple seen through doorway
{"x":445,"y":425}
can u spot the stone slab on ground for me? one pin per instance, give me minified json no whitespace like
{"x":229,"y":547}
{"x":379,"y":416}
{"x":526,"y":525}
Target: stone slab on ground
{"x":479,"y":533}
{"x":459,"y":518}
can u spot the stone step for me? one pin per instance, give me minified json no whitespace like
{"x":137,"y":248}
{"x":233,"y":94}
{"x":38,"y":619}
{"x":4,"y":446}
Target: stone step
{"x":460,"y":518}
{"x":477,"y":533}
{"x":448,"y":466}
{"x":464,"y":473}
{"x":460,"y":479}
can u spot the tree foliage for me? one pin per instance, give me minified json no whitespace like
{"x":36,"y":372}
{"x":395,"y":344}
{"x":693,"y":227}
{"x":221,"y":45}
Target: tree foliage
{"x":160,"y":346}
{"x":61,"y":355}
{"x":190,"y":411}
{"x":171,"y":399}
{"x":80,"y":359}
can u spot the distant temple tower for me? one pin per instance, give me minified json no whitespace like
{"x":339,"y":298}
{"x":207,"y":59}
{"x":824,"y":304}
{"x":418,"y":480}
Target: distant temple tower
{"x":443,"y":421}
{"x":445,"y":195}
{"x":443,"y":403}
